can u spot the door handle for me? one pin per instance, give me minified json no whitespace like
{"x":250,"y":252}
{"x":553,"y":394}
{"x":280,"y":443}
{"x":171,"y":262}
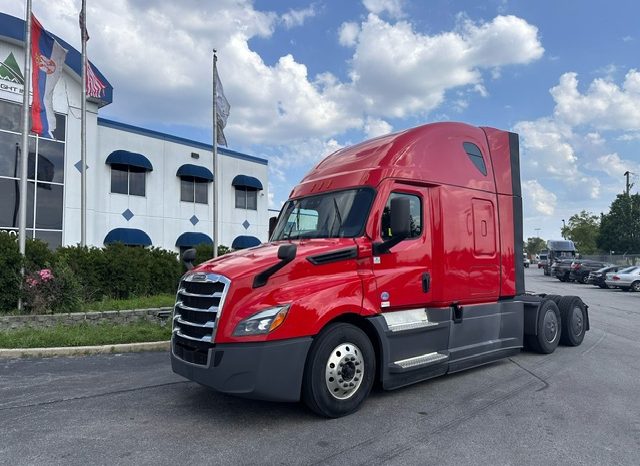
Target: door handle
{"x":426,"y":282}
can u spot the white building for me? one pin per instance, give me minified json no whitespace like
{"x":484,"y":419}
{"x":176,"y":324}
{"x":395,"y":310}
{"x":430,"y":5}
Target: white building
{"x":143,"y":187}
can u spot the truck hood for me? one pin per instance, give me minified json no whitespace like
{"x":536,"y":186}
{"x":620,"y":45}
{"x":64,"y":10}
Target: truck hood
{"x":254,"y":260}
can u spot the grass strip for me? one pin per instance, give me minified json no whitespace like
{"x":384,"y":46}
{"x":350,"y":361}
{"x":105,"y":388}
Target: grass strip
{"x":145,"y":302}
{"x":84,"y":335}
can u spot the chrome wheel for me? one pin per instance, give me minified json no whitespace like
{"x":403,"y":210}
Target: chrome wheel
{"x":344,"y":371}
{"x":550,"y":326}
{"x":576,"y":321}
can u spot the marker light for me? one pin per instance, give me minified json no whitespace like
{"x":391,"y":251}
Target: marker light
{"x":263,"y":322}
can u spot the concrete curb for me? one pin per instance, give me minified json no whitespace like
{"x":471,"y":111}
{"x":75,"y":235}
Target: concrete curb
{"x":83,"y":350}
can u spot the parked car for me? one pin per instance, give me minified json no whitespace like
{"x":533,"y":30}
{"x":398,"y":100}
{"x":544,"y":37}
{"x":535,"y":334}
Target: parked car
{"x":580,"y":269}
{"x":561,"y":269}
{"x":526,"y":262}
{"x":542,"y":261}
{"x":598,"y":277}
{"x":625,"y":279}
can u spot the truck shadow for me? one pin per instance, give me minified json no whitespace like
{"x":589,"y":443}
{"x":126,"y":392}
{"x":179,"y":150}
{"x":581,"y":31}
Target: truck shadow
{"x":205,"y":405}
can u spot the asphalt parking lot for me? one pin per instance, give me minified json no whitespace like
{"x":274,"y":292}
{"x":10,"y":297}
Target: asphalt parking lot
{"x":577,"y":406}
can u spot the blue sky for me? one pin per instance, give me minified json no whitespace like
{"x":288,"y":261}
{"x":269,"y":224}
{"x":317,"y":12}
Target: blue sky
{"x":306,"y":78}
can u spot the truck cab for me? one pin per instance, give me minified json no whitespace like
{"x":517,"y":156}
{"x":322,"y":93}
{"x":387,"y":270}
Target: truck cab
{"x":394,"y":260}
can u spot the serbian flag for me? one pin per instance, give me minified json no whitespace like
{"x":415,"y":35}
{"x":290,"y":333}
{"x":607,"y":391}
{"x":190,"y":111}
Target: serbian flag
{"x":47,"y":63}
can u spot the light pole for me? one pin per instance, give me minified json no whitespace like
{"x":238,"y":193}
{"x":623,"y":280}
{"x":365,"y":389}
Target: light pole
{"x":537,"y":232}
{"x":563,"y":227}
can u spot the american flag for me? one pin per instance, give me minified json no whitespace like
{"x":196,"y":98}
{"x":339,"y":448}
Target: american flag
{"x":95,"y":87}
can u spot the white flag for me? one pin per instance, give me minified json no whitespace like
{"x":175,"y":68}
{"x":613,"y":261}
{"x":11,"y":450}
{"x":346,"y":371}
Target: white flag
{"x":222,"y":111}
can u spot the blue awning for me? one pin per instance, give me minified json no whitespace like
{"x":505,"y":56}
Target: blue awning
{"x":246,"y":181}
{"x":244,"y":242}
{"x":128,"y":236}
{"x":192,"y":238}
{"x":124,"y":157}
{"x":195,"y":171}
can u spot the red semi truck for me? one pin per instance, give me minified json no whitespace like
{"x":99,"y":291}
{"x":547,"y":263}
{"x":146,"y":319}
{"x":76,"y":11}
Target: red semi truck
{"x":395,"y":260}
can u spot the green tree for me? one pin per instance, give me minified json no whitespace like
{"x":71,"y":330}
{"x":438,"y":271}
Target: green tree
{"x":620,"y":228}
{"x":583,"y":229}
{"x":534,"y":245}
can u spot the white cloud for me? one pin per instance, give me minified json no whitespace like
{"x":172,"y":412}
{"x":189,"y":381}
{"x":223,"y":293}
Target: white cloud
{"x":375,"y":127}
{"x":614,"y":166}
{"x":545,"y":148}
{"x":604,"y":105}
{"x":348,"y":34}
{"x":271,"y":202}
{"x":543,"y":200}
{"x":301,"y":154}
{"x":294,"y":18}
{"x":160,"y":67}
{"x":436,"y":63}
{"x":392,"y":7}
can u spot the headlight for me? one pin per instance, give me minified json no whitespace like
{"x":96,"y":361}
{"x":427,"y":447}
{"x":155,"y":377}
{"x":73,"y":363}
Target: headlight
{"x":262,"y":322}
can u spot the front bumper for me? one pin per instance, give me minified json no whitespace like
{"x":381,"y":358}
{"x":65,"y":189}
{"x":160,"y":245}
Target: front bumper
{"x":265,"y":370}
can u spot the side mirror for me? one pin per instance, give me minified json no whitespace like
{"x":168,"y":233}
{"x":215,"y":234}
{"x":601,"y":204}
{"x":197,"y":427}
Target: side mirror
{"x":287,"y":252}
{"x":273,"y":221}
{"x":400,"y":214}
{"x":400,"y":222}
{"x":188,"y":257}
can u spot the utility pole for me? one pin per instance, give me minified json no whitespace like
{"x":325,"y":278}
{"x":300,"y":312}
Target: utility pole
{"x":629,"y":185}
{"x":563,"y":228}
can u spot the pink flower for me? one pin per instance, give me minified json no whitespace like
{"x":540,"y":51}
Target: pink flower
{"x":45,"y":275}
{"x":31,"y":282}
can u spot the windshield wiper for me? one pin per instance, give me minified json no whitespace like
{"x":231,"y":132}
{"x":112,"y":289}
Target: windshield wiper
{"x":338,"y":216}
{"x":287,"y":234}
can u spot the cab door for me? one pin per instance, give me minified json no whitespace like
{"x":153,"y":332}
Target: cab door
{"x":417,"y":335}
{"x":403,"y":275}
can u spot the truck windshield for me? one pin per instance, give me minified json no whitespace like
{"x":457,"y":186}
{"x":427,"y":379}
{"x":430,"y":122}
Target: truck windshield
{"x":339,"y":214}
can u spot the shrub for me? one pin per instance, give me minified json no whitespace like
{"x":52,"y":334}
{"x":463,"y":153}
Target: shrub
{"x":126,"y":271}
{"x":89,"y":266}
{"x":51,"y":290}
{"x":204,"y":252}
{"x":165,"y":271}
{"x":10,"y":263}
{"x":37,"y":254}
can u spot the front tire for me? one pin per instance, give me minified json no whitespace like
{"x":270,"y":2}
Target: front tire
{"x":340,"y":371}
{"x":635,"y":286}
{"x":547,"y":328}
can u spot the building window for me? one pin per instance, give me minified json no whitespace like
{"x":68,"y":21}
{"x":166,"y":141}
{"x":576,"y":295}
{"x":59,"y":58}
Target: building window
{"x":45,"y":174}
{"x":194,"y":190}
{"x":126,"y":179}
{"x":246,"y":198}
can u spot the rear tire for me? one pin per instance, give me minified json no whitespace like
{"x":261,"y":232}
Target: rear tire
{"x":553,"y":297}
{"x":573,"y":315}
{"x":584,"y":279}
{"x":339,"y":372}
{"x":547,"y":328}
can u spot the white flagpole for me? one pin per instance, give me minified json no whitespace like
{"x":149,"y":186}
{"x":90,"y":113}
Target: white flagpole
{"x":216,"y":175}
{"x":24,"y":152}
{"x":83,"y":133}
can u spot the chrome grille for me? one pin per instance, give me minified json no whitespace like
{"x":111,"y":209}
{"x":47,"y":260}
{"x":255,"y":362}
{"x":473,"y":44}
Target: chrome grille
{"x":199,"y":303}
